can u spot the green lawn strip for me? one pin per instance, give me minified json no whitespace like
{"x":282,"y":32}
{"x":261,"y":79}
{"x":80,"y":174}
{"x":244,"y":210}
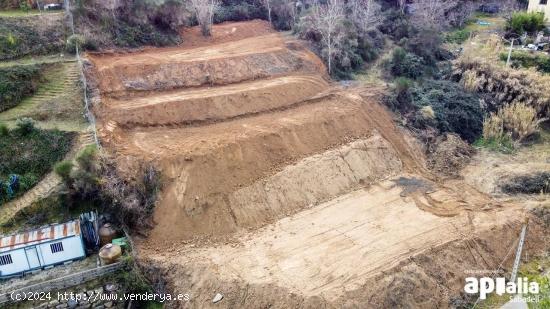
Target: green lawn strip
{"x":57,"y":102}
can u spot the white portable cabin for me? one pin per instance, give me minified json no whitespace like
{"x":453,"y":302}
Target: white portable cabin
{"x":36,"y":249}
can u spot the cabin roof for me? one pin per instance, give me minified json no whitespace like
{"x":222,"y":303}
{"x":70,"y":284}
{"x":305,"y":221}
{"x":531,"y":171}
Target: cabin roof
{"x":40,"y":235}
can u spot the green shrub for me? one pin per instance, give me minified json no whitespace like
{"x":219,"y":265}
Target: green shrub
{"x":24,"y":36}
{"x":456,"y":110}
{"x":522,"y":22}
{"x":528,"y":60}
{"x":74,"y":41}
{"x":64,"y":169}
{"x":87,"y":156}
{"x":25,"y":125}
{"x":404,"y":64}
{"x":17,"y":82}
{"x":4,"y":131}
{"x":457,"y":36}
{"x":24,"y":5}
{"x":31,"y":156}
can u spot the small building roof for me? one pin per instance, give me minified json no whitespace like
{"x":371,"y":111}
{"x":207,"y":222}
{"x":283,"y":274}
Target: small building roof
{"x":43,"y":234}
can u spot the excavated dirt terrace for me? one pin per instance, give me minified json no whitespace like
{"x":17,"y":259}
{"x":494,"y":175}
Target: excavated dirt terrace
{"x":282,"y":190}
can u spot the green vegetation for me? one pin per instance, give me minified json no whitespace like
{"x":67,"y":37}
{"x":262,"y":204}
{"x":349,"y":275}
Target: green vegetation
{"x":405,"y":64}
{"x":525,"y":22}
{"x":526,"y":59}
{"x":458,"y":36}
{"x":503,"y":144}
{"x":56,"y":103}
{"x":16,"y":83}
{"x":31,"y":35}
{"x":135,"y":24}
{"x":442,"y":105}
{"x":455,"y":110}
{"x":30,"y":153}
{"x":45,"y":211}
{"x":237,"y":10}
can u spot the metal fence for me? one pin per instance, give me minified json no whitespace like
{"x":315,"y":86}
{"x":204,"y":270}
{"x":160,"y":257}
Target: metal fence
{"x":89,"y":115}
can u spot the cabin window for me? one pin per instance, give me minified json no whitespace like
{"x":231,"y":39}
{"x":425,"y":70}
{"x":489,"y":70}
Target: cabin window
{"x":5,"y":259}
{"x":543,"y":2}
{"x":57,"y":247}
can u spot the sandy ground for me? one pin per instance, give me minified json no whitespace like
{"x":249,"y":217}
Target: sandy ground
{"x":330,"y":250}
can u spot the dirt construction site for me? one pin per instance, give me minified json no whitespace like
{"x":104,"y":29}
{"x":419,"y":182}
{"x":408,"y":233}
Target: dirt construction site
{"x":284,"y":189}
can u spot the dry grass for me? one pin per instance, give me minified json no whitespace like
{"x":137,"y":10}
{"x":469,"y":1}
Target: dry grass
{"x":506,"y":85}
{"x":517,"y":120}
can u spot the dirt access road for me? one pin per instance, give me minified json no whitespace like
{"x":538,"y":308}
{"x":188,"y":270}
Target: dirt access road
{"x":281,"y":189}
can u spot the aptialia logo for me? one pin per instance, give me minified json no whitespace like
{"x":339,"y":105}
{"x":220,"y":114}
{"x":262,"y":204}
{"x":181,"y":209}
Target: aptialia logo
{"x":485,"y":286}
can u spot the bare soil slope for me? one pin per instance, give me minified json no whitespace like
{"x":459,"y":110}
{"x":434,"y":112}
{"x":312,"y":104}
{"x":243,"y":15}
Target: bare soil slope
{"x":276,"y":184}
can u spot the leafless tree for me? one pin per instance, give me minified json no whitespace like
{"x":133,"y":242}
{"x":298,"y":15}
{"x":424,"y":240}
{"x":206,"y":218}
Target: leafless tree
{"x":204,"y":11}
{"x":267,"y":4}
{"x":401,"y":5}
{"x":327,"y":20}
{"x":365,"y":13}
{"x":432,"y":12}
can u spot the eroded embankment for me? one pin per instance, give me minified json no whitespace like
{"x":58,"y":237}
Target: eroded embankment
{"x":212,"y":103}
{"x":222,"y":64}
{"x":370,"y":248}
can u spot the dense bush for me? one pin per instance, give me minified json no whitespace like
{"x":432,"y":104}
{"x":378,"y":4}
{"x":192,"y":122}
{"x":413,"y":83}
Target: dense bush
{"x":129,"y":24}
{"x":525,"y":22}
{"x":232,"y":10}
{"x":528,"y":60}
{"x":455,"y":109}
{"x":30,"y":35}
{"x":17,"y":82}
{"x":400,"y":98}
{"x":404,"y":64}
{"x":31,"y":156}
{"x":420,"y":40}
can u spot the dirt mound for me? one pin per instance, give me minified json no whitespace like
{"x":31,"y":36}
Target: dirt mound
{"x":176,"y":67}
{"x":225,"y":32}
{"x":449,"y":155}
{"x":212,"y":103}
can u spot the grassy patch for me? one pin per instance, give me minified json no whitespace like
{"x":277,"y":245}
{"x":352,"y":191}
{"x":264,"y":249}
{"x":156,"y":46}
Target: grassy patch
{"x":495,"y":23}
{"x":16,"y":83}
{"x":31,"y":155}
{"x":524,"y":59}
{"x":57,"y":103}
{"x":457,"y":36}
{"x":503,"y":144}
{"x":45,"y":211}
{"x":21,"y":13}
